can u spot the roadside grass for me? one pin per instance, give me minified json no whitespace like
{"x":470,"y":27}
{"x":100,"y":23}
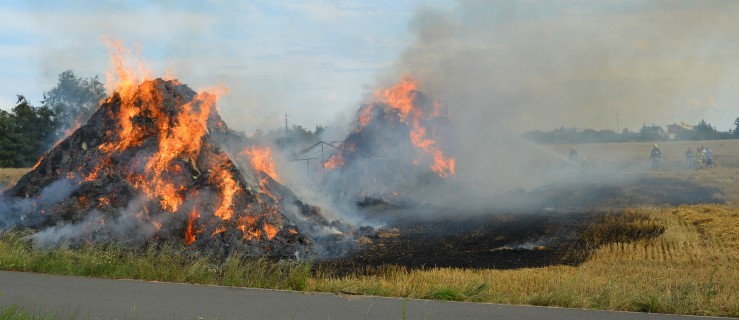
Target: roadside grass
{"x":170,"y":263}
{"x":18,"y":312}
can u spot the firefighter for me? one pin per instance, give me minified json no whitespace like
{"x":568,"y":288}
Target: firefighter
{"x":688,"y":159}
{"x":573,"y":154}
{"x":700,"y":158}
{"x":709,"y":157}
{"x":656,"y":155}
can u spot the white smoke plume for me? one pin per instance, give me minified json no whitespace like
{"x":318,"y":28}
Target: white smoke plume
{"x":29,"y":212}
{"x":505,"y":67}
{"x":124,"y":227}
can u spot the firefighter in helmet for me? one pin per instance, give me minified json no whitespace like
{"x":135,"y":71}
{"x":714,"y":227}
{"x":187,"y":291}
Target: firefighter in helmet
{"x":573,"y":154}
{"x":656,"y":156}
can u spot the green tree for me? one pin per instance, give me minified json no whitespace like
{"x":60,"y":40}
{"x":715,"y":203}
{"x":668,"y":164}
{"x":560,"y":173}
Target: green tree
{"x":8,"y":139}
{"x":297,"y":136}
{"x":736,"y":128}
{"x":73,"y":99}
{"x":25,"y":133}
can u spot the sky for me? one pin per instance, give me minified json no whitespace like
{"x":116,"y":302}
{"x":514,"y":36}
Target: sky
{"x":520,"y":64}
{"x":306,"y":59}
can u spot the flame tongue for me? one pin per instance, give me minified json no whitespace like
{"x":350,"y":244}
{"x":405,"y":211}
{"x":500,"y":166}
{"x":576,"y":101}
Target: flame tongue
{"x":406,"y":102}
{"x":178,"y":131}
{"x":402,"y":97}
{"x":260,"y":159}
{"x":190,"y":232}
{"x":224,"y":179}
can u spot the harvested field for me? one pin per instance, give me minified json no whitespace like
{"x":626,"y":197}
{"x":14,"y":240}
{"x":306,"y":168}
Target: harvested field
{"x":9,"y":176}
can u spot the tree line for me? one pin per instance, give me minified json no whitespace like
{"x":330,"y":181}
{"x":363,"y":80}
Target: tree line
{"x":27,"y":131}
{"x":700,"y":131}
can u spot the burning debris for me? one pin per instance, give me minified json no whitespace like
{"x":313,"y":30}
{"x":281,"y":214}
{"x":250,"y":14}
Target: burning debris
{"x":396,"y":142}
{"x":147,"y":166}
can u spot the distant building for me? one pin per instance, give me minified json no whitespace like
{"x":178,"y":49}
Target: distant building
{"x":678,"y":128}
{"x":653,"y":132}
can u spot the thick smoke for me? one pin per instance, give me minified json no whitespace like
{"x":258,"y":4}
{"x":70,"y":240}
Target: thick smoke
{"x":125,"y":227}
{"x":96,"y":226}
{"x":24,"y":212}
{"x":506,"y":67}
{"x":516,"y":66}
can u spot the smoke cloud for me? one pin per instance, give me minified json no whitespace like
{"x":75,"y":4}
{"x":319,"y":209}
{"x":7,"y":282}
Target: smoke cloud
{"x":98,"y":227}
{"x":25,"y":211}
{"x":511,"y":66}
{"x":505,"y":67}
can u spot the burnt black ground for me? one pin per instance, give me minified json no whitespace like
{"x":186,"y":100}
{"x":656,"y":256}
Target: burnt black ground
{"x":495,"y":241}
{"x":550,"y":229}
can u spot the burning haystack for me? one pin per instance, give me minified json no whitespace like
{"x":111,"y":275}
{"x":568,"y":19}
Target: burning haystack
{"x":396,"y":143}
{"x":147,"y":166}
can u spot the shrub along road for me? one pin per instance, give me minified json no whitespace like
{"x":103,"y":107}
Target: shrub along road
{"x":78,"y":297}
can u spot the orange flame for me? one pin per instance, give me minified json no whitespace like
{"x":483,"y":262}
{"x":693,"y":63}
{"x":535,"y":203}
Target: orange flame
{"x":261,"y":159}
{"x":400,"y":97}
{"x":336,"y":161}
{"x":219,"y":229}
{"x":103,"y":201}
{"x":126,"y":72}
{"x":184,"y":137}
{"x":189,"y":234}
{"x":247,"y":226}
{"x":365,"y":117}
{"x":444,"y":166}
{"x":38,"y":162}
{"x":228,"y":187}
{"x":179,"y":137}
{"x":270,"y":230}
{"x":96,"y":171}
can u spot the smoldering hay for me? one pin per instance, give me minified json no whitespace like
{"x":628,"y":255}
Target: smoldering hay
{"x":152,"y":165}
{"x":396,"y":145}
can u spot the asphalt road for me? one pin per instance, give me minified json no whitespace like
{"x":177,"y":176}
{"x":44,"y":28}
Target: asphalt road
{"x":87,"y":298}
